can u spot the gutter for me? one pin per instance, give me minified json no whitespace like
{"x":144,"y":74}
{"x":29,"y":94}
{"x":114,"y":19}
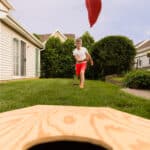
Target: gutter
{"x":8,"y":5}
{"x":17,"y":27}
{"x":142,"y":50}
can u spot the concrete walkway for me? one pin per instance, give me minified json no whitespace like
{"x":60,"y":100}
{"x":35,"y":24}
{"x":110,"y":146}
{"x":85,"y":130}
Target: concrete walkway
{"x":141,"y":93}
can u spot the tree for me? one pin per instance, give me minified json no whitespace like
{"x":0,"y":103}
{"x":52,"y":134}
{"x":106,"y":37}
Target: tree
{"x":113,"y":55}
{"x":50,"y":58}
{"x":54,"y":43}
{"x":57,"y":59}
{"x":67,"y":58}
{"x":88,"y":41}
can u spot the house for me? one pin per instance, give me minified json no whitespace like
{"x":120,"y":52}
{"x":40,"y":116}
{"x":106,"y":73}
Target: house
{"x":142,"y":59}
{"x":19,"y":49}
{"x":63,"y":37}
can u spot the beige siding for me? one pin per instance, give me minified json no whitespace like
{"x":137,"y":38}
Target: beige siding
{"x":58,"y":35}
{"x":30,"y":61}
{"x":143,"y":58}
{"x":6,"y":54}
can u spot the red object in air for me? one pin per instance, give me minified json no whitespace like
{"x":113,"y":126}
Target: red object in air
{"x":94,"y":8}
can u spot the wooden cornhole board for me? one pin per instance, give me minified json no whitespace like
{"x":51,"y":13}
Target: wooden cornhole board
{"x":23,"y":128}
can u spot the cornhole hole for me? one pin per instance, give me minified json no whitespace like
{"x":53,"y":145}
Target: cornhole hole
{"x":57,"y":127}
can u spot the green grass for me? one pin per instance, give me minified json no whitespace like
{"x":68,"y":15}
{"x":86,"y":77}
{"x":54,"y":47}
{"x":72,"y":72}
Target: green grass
{"x":26,"y":93}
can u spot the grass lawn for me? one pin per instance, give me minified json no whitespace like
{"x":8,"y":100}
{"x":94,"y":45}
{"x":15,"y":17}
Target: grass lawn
{"x":18,"y":94}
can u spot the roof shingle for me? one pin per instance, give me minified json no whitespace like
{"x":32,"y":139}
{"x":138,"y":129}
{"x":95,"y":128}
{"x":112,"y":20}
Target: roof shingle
{"x":45,"y":37}
{"x":145,"y":44}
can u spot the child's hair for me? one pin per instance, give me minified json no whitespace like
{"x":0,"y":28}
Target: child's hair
{"x":78,"y":40}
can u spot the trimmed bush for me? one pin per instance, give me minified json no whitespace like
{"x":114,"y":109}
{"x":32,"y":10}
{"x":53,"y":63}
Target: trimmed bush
{"x":138,"y":79}
{"x":113,"y":55}
{"x":57,"y":59}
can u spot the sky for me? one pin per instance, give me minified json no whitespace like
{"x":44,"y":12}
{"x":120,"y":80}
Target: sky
{"x":130,"y":18}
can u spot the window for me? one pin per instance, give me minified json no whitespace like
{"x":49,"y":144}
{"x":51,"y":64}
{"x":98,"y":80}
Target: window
{"x":136,"y":63}
{"x":140,"y":62}
{"x":37,"y":72}
{"x":16,"y":57}
{"x":23,"y":58}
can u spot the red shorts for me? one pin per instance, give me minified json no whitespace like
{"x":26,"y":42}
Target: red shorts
{"x":81,"y":67}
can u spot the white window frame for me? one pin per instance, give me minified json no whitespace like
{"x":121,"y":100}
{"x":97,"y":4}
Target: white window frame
{"x":17,"y":76}
{"x":16,"y":57}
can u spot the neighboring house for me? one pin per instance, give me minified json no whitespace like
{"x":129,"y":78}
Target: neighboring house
{"x":142,"y":60}
{"x":63,"y":37}
{"x":19,"y":50}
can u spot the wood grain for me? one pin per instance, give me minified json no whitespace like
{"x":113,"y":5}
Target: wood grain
{"x":112,"y":129}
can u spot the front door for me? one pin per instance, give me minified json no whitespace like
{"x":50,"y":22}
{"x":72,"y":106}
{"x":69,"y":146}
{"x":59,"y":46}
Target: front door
{"x":23,"y":58}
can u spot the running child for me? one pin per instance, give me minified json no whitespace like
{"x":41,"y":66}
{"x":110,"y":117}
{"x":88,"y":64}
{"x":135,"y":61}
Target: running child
{"x":81,"y":56}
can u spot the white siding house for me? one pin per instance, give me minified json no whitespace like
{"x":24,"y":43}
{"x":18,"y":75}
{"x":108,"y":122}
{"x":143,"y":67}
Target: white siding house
{"x":142,"y":59}
{"x":19,"y":50}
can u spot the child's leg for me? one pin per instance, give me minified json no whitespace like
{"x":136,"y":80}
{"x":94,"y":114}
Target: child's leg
{"x":82,"y":75}
{"x":82,"y":79}
{"x":77,"y":76}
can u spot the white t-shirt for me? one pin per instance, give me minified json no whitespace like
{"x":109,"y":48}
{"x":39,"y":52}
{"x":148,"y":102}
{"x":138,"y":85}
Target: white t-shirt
{"x":81,"y":53}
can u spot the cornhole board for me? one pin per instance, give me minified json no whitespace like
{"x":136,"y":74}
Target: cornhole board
{"x":21,"y":129}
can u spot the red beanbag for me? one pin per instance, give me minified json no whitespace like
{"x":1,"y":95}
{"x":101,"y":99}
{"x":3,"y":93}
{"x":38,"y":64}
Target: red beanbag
{"x":94,"y":9}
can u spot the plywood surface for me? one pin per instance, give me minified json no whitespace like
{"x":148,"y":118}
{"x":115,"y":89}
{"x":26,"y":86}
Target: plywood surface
{"x":20,"y":129}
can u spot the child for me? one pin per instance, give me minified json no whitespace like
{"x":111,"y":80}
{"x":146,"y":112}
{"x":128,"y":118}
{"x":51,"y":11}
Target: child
{"x":81,"y":56}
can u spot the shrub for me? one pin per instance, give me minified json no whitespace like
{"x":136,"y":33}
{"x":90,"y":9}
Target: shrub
{"x":113,"y":55}
{"x":67,"y":60}
{"x":138,"y":79}
{"x":57,"y":59}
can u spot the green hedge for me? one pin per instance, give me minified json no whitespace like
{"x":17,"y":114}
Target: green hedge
{"x":113,"y":55}
{"x":138,"y":79}
{"x":57,"y":59}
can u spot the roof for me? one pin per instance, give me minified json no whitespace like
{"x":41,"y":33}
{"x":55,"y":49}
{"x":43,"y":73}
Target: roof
{"x":7,"y":4}
{"x":143,"y":45}
{"x":70,"y":36}
{"x":45,"y":37}
{"x":18,"y":28}
{"x":138,"y":44}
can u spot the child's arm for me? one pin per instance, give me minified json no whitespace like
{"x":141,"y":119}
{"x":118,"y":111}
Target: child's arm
{"x":89,"y":58}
